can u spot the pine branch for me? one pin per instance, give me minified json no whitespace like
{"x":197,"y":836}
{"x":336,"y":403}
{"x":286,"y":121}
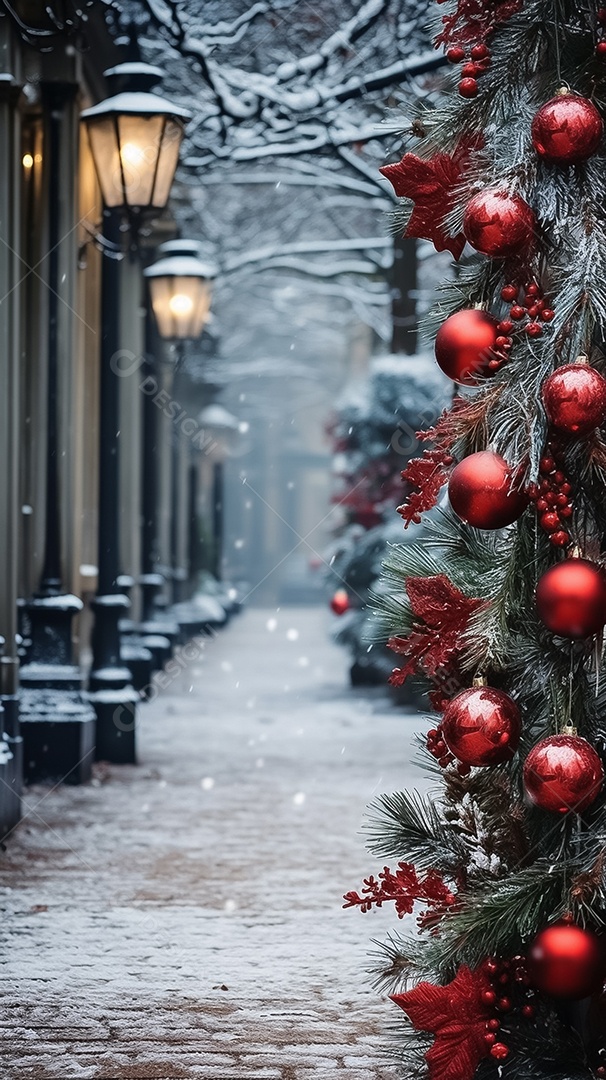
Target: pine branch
{"x":500,"y":921}
{"x":410,"y":825}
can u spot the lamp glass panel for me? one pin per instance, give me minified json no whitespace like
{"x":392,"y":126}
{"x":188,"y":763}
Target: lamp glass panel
{"x":160,"y":293}
{"x":202,"y":306}
{"x":171,"y":139}
{"x":141,"y":140}
{"x":104,"y":148}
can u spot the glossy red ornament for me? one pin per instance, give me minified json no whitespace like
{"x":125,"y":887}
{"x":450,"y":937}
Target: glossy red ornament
{"x":497,"y":223}
{"x":566,"y":961}
{"x":571,"y":598}
{"x":481,"y":494}
{"x":465,"y":345}
{"x":340,"y":602}
{"x":575,"y":399}
{"x":563,"y":773}
{"x":482,"y":726}
{"x":567,"y":129}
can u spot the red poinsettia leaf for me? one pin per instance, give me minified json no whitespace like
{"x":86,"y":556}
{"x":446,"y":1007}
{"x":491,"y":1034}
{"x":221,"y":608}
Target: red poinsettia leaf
{"x":412,"y":178}
{"x":425,"y":1007}
{"x":430,"y":185}
{"x":424,"y":225}
{"x":457,"y":1016}
{"x":457,"y":1053}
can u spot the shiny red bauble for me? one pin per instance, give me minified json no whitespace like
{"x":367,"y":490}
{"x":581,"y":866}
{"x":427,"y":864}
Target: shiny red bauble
{"x":571,"y":598}
{"x":482,"y":726}
{"x":566,"y":961}
{"x":566,"y":130}
{"x":563,"y":773}
{"x":575,"y":399}
{"x":481,"y":494}
{"x":340,"y":602}
{"x":465,"y":345}
{"x":498,"y":224}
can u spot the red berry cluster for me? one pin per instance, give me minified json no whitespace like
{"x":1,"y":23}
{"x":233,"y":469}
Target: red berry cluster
{"x":552,"y":496}
{"x":504,"y":976}
{"x":475,"y":63}
{"x":601,"y":45}
{"x":534,"y":309}
{"x":438,"y":749}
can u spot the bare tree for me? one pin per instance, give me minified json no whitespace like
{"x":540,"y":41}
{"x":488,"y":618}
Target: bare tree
{"x":281,"y":162}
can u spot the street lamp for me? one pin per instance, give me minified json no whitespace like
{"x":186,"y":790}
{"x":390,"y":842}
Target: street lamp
{"x":180,"y":289}
{"x":134,"y":138}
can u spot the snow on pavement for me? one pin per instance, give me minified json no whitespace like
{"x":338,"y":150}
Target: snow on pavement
{"x":182,"y":919}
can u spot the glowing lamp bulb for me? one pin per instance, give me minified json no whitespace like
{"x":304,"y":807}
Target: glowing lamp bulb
{"x":180,"y":304}
{"x":132,"y":154}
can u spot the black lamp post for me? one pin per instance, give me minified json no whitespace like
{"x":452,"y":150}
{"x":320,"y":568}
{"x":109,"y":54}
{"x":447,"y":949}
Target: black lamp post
{"x":224,"y":427}
{"x":135,"y":138}
{"x":58,"y":723}
{"x":180,"y":289}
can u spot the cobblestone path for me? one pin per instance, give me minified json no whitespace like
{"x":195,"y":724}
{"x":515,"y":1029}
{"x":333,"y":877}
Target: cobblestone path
{"x":182,"y":919}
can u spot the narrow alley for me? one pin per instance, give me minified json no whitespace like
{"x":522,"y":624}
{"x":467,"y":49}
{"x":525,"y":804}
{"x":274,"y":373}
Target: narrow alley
{"x":182,"y":918}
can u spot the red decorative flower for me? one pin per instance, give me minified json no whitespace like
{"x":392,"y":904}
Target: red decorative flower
{"x":405,"y":888}
{"x":457,"y":1016}
{"x":443,"y":613}
{"x":429,"y":474}
{"x":474,"y":20}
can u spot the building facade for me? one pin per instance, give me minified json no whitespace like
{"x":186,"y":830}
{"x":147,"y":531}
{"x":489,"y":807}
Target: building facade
{"x":51,"y":263}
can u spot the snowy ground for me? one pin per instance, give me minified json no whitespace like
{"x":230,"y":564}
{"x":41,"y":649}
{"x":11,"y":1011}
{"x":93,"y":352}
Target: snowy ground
{"x":182,"y":919}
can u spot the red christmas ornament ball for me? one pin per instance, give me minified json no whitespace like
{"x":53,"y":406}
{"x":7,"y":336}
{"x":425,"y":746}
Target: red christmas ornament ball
{"x":340,"y":602}
{"x":575,"y":399}
{"x":465,"y":345}
{"x":567,"y":129}
{"x":563,"y":773}
{"x":566,"y":961}
{"x":497,"y":223}
{"x":571,"y":598}
{"x":482,"y":726}
{"x":480,"y":492}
